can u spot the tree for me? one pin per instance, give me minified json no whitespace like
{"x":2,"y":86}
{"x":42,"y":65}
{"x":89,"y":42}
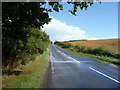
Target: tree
{"x":21,"y":31}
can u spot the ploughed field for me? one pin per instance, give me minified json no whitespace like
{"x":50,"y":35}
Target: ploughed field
{"x":110,"y":44}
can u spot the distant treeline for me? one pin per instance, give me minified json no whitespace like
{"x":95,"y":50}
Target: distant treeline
{"x":100,"y":51}
{"x":76,"y":40}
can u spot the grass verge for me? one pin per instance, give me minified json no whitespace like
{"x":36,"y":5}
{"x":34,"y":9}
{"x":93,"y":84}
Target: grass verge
{"x":100,"y":58}
{"x":0,"y":80}
{"x":32,"y":74}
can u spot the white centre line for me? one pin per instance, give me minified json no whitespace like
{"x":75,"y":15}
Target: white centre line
{"x":68,"y":56}
{"x":104,"y":75}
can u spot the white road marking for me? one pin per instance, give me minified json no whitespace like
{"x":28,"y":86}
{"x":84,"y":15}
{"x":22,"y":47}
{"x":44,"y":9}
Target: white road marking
{"x":52,"y":68}
{"x":68,"y":56}
{"x":74,"y":59}
{"x":64,"y":62}
{"x":51,"y":58}
{"x":104,"y":75}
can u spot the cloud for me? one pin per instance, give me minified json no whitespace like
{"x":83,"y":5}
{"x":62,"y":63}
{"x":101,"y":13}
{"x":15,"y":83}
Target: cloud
{"x":59,"y":31}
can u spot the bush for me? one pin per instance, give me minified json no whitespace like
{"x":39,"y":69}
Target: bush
{"x":117,"y":55}
{"x":66,"y":45}
{"x":90,"y":50}
{"x":80,"y":48}
{"x":102,"y":52}
{"x":98,"y":51}
{"x":29,"y":42}
{"x":63,"y":44}
{"x":77,"y":48}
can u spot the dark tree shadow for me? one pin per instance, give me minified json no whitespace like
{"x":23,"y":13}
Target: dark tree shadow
{"x":11,"y":72}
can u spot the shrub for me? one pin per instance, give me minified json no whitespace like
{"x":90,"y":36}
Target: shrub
{"x":63,"y":44}
{"x":117,"y":55}
{"x":77,"y":48}
{"x":90,"y":50}
{"x":28,"y":41}
{"x":102,"y":52}
{"x":66,"y":45}
{"x":80,"y":48}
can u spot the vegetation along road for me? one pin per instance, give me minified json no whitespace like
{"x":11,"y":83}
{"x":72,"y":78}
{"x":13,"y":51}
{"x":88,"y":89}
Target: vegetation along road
{"x":71,"y":70}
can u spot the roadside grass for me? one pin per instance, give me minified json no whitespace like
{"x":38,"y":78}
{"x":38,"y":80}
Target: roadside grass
{"x":32,"y":75}
{"x":0,"y":80}
{"x":100,"y":58}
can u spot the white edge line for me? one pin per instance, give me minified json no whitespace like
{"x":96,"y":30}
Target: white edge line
{"x":51,"y":63}
{"x":52,"y":68}
{"x":104,"y":75}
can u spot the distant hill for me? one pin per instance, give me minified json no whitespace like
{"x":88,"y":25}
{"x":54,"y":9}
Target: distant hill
{"x":110,"y":44}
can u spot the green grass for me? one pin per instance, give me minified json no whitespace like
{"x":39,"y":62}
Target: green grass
{"x":32,"y":74}
{"x":100,"y":58}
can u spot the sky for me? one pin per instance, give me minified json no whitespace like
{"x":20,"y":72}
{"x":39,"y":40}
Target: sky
{"x":99,"y":21}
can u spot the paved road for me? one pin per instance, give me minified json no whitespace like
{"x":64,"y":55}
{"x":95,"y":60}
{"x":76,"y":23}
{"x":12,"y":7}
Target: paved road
{"x":70,"y":70}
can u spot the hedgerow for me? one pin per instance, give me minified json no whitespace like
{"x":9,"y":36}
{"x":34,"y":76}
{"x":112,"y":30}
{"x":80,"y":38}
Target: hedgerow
{"x":100,"y":51}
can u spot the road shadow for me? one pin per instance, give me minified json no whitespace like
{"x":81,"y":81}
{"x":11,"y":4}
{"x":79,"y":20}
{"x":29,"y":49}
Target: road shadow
{"x":47,"y":78}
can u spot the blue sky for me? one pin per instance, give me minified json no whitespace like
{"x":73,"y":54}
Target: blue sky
{"x":100,"y":21}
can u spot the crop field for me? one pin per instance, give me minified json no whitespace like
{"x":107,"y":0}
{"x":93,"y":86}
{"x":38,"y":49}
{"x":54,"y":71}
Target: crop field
{"x":110,"y":44}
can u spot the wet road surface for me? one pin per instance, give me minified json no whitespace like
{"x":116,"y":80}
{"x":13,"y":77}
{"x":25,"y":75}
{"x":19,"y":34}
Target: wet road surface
{"x":70,"y":70}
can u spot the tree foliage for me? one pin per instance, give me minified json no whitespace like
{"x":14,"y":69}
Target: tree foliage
{"x":21,"y":31}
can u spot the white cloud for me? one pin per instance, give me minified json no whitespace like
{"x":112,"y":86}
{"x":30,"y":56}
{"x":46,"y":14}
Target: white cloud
{"x":60,"y":31}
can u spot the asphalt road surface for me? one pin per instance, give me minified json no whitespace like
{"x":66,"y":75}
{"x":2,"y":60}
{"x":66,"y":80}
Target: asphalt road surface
{"x":70,"y":70}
